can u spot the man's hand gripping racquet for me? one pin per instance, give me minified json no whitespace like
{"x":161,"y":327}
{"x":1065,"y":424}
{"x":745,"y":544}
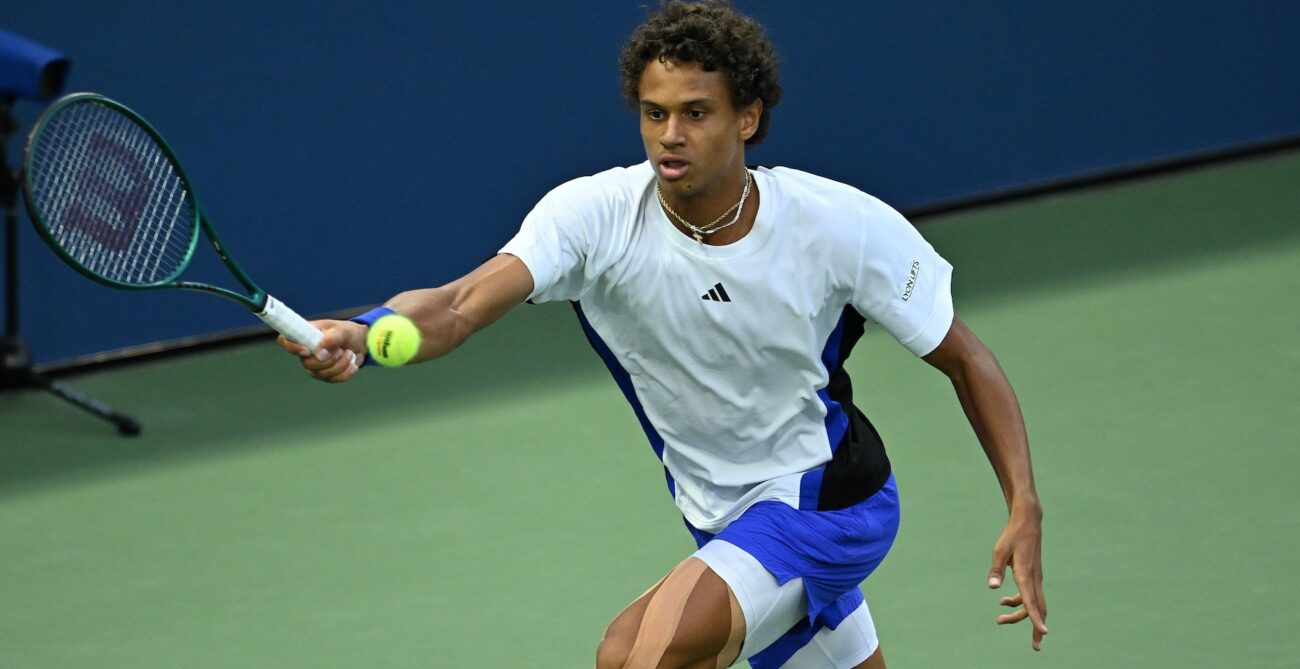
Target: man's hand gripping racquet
{"x":107,"y":193}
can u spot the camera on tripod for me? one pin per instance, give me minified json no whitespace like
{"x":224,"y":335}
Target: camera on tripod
{"x":28,"y":70}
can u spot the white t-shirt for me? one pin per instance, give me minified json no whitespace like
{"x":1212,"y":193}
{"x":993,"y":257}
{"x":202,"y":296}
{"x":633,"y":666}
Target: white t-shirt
{"x":725,"y":352}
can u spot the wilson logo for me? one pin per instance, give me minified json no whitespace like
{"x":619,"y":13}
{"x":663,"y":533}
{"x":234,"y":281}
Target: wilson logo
{"x":111,"y":181}
{"x":911,"y":280}
{"x":383,"y":345}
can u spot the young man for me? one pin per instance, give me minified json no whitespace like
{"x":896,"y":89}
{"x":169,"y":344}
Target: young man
{"x":725,"y":301}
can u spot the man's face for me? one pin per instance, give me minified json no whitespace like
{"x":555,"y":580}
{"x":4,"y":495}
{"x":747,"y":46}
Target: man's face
{"x":693,"y":135}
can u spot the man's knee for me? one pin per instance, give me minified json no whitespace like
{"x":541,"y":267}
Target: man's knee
{"x":614,"y":649}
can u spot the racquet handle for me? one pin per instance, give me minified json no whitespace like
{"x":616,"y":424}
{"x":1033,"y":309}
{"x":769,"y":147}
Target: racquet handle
{"x":287,"y":322}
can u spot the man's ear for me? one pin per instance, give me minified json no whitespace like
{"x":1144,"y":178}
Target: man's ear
{"x":749,"y":117}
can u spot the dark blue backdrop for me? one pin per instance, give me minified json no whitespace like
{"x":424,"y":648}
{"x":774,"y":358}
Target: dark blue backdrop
{"x":349,"y":150}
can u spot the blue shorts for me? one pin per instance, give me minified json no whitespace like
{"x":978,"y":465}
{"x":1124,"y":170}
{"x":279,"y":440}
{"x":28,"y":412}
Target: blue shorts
{"x":832,"y":551}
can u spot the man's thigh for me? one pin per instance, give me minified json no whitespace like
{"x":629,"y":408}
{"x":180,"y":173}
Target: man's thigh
{"x":689,"y":620}
{"x":770,"y":609}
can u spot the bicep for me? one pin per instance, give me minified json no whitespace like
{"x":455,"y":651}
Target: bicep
{"x":956,"y":350}
{"x":491,"y":290}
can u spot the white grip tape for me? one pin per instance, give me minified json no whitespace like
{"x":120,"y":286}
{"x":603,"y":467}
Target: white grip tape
{"x":288,"y":323}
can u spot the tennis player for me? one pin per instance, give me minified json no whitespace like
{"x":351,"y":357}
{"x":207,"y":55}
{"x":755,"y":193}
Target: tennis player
{"x":725,"y":300}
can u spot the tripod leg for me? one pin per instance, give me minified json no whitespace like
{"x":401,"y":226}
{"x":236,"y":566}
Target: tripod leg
{"x":126,"y":425}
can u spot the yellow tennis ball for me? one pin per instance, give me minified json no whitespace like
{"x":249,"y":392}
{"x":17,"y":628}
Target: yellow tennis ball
{"x":393,"y":340}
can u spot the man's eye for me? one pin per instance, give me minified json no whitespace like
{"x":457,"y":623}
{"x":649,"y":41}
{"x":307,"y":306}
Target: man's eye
{"x":696,"y":114}
{"x":655,"y":114}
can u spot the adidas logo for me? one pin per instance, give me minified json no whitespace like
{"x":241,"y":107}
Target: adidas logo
{"x":716,"y":294}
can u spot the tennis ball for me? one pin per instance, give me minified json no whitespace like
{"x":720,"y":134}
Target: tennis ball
{"x":393,"y":340}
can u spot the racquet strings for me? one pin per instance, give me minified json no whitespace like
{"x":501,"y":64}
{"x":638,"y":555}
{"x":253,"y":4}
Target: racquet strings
{"x":110,"y":196}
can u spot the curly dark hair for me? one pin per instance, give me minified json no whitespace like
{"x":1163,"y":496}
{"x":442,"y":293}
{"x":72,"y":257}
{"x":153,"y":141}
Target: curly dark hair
{"x":717,"y":37}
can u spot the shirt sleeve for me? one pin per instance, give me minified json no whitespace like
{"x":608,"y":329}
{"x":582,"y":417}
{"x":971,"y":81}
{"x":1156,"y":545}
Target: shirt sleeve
{"x":903,"y":284}
{"x":567,"y":238}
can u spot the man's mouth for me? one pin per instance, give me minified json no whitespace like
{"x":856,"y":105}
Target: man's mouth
{"x":673,"y":167}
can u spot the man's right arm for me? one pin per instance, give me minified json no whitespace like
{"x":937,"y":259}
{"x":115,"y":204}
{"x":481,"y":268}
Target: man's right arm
{"x":446,"y":317}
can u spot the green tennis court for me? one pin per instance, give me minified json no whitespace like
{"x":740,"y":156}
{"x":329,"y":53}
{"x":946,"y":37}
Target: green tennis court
{"x":499,"y":507}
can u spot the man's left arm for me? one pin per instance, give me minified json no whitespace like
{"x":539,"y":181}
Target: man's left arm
{"x":993,"y":411}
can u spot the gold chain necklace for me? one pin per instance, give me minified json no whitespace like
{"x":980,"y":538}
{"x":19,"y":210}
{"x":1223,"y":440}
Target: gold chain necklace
{"x":700,"y":231}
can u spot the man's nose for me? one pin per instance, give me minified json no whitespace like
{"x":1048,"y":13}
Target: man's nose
{"x":672,"y":135}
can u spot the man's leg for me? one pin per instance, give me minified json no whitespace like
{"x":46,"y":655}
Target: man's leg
{"x":722,"y":598}
{"x":689,"y":620}
{"x":721,"y":605}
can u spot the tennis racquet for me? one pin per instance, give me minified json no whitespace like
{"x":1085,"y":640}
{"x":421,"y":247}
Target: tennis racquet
{"x":108,"y":194}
